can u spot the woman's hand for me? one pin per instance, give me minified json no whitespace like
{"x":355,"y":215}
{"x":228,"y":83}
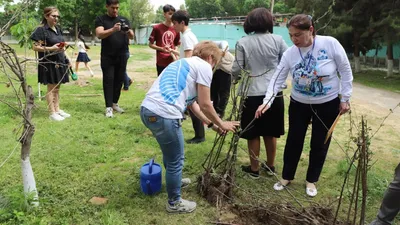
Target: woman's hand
{"x":261,"y":110}
{"x":59,"y":47}
{"x":218,"y":130}
{"x":229,"y":125}
{"x":344,"y":107}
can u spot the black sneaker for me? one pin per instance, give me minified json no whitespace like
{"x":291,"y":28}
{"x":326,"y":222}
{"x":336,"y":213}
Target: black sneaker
{"x":270,"y":170}
{"x":252,"y":174}
{"x":195,"y":140}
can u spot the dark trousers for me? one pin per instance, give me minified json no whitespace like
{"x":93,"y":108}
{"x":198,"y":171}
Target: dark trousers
{"x":198,"y":126}
{"x":160,"y":69}
{"x":113,"y":77}
{"x":127,"y":79}
{"x":391,"y":202}
{"x":299,"y":118}
{"x":220,"y":88}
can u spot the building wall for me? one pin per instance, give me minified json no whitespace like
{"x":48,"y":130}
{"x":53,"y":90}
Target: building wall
{"x":382,"y":52}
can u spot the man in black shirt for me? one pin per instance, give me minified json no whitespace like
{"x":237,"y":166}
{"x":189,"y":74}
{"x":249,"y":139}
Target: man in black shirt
{"x":114,"y":32}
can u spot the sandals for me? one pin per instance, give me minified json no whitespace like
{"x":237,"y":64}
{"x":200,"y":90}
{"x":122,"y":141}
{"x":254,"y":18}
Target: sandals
{"x":312,"y":192}
{"x":278,"y":186}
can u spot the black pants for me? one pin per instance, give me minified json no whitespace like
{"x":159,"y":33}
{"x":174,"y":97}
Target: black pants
{"x":220,"y":88}
{"x":299,"y":118}
{"x":113,"y":77}
{"x":390,"y":206}
{"x":160,"y":69}
{"x":198,"y":126}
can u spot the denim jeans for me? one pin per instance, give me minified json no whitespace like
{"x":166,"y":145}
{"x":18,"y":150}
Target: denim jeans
{"x":127,"y":78}
{"x":169,"y":135}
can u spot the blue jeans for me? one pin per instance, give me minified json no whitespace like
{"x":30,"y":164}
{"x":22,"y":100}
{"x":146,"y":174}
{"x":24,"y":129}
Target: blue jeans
{"x":169,"y":135}
{"x":127,"y":78}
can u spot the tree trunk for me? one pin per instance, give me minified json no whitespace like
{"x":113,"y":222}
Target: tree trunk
{"x":389,"y":54}
{"x":376,"y":56}
{"x":30,"y":191}
{"x":76,"y":32}
{"x":356,"y":52}
{"x":357,"y":64}
{"x":272,"y":6}
{"x":93,"y":38}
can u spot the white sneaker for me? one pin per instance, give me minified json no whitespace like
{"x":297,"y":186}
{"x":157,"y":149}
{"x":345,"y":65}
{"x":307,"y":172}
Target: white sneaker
{"x":109,"y":112}
{"x":181,"y":206}
{"x":185,"y":182}
{"x":56,"y":117}
{"x":117,"y":108}
{"x":63,"y":114}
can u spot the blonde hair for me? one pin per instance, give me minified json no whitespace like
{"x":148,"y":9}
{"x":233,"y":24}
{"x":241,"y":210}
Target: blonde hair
{"x":204,"y":49}
{"x":46,"y":12}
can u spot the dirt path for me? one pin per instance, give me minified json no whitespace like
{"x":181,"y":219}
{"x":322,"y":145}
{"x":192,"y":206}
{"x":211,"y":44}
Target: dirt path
{"x":371,"y":101}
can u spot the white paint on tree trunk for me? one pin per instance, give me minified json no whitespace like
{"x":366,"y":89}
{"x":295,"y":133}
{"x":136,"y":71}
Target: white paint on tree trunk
{"x":29,"y":182}
{"x":357,"y":64}
{"x":375,"y":60}
{"x":390,"y":67}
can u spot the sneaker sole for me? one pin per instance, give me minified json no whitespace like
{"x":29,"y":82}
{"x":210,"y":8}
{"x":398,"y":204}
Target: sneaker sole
{"x":253,"y":177}
{"x":180,"y":212}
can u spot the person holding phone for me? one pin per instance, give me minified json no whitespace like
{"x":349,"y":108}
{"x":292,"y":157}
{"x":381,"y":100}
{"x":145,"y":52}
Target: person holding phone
{"x":53,"y":63}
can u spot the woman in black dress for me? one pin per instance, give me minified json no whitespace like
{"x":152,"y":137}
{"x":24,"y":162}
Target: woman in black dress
{"x":53,"y":67}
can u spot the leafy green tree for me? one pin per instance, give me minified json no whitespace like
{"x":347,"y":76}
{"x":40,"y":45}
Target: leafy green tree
{"x":204,"y":8}
{"x":23,"y":30}
{"x":159,"y":15}
{"x":140,"y":12}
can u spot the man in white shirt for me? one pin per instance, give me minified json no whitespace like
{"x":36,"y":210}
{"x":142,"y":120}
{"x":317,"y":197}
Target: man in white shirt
{"x":180,"y":19}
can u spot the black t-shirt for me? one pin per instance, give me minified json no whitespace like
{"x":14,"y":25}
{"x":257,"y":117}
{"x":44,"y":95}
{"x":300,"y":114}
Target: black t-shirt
{"x":48,"y":37}
{"x":117,"y":43}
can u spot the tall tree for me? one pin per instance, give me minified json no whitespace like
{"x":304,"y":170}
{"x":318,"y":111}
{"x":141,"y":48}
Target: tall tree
{"x":204,"y":8}
{"x":182,"y":7}
{"x":140,"y":12}
{"x":386,"y":24}
{"x":159,"y":15}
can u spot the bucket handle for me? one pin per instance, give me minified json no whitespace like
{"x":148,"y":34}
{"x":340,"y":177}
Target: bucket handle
{"x":151,"y":165}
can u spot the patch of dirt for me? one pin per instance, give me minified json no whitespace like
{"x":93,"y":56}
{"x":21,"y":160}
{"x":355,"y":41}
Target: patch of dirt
{"x":282,"y":214}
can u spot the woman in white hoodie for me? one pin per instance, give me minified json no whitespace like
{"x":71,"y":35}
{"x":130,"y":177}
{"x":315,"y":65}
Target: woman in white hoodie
{"x":318,"y":95}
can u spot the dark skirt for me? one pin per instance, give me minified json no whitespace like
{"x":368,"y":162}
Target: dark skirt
{"x":271,"y":123}
{"x":53,"y":73}
{"x":82,"y":57}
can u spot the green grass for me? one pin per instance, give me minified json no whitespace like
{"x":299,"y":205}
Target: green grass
{"x":376,"y":79}
{"x":138,"y":52}
{"x":89,"y":155}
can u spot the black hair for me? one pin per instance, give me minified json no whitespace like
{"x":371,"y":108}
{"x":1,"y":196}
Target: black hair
{"x":259,"y":20}
{"x":302,"y":22}
{"x":112,"y":2}
{"x":168,"y":8}
{"x":80,"y":37}
{"x":181,"y":15}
